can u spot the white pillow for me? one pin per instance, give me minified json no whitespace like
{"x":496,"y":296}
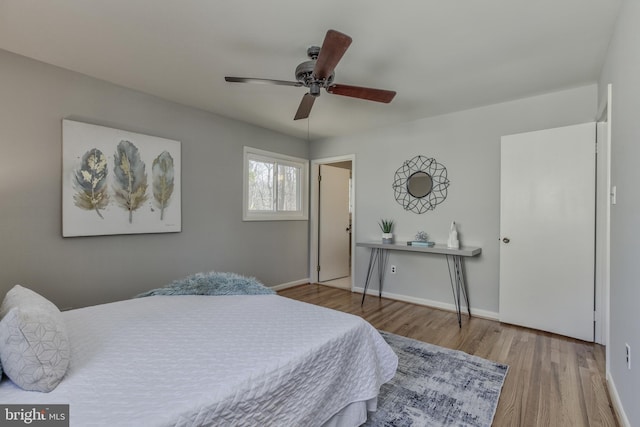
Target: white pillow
{"x":34,"y":347}
{"x":20,"y":296}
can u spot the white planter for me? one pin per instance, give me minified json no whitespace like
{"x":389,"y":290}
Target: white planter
{"x":387,"y":237}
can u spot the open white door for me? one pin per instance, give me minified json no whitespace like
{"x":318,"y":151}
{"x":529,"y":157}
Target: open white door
{"x":334,"y":230}
{"x":547,"y":227}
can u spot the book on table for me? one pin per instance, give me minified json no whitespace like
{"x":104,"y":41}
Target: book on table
{"x":421,"y":243}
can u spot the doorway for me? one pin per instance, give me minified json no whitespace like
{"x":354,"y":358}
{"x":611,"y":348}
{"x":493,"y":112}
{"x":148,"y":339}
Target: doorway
{"x":332,"y":221}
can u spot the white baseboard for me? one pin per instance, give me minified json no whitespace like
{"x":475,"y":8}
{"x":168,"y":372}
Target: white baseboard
{"x":485,"y":314}
{"x":617,"y":404}
{"x":290,"y":284}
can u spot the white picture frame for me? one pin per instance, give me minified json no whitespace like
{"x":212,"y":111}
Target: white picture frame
{"x":118,"y":182}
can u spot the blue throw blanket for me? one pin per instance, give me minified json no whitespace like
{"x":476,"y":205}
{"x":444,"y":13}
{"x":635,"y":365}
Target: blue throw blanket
{"x":212,"y":283}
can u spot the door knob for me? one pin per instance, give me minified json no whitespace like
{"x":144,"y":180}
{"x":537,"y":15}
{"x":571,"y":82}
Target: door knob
{"x":506,"y":240}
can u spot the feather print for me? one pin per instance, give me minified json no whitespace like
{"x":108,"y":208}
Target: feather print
{"x":90,"y":182}
{"x":130,"y":182}
{"x":162,"y":172}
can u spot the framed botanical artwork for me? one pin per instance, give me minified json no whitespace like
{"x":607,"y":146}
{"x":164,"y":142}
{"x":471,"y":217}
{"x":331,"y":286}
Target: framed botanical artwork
{"x":118,"y":182}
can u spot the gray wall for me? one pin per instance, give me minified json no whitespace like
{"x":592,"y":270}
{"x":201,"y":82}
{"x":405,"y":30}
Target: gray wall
{"x":622,"y":69}
{"x":467,"y":143}
{"x":81,"y":271}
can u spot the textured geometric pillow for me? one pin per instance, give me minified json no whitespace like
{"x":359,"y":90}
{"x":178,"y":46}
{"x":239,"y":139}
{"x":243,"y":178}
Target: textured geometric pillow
{"x":20,"y":296}
{"x":34,"y":348}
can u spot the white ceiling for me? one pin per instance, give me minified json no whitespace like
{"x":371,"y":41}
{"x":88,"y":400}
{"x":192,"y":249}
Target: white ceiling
{"x":439,"y":55}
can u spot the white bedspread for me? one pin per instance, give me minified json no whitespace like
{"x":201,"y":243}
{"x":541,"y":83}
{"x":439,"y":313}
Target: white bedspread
{"x":259,"y":360}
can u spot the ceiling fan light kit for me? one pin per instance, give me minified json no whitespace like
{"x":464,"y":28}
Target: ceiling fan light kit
{"x":318,"y":72}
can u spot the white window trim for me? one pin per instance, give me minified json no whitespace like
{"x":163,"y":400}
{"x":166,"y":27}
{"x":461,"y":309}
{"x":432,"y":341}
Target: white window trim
{"x":301,"y":215}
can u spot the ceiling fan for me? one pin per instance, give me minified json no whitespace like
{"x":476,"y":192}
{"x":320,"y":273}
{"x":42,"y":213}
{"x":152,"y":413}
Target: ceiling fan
{"x":318,"y":73}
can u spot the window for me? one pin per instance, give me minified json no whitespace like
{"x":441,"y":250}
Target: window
{"x":275,"y":186}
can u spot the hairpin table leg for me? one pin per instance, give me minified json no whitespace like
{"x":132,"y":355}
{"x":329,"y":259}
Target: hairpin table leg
{"x":373,"y":257}
{"x":458,"y":285}
{"x":379,"y":256}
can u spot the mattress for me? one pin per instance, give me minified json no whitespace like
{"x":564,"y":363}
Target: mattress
{"x":258,"y":360}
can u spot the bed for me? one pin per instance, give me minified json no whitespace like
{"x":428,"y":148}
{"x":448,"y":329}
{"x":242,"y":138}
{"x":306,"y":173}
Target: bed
{"x":192,"y":360}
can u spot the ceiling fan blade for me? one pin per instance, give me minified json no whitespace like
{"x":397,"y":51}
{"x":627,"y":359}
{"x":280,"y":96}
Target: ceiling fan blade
{"x":370,"y":94}
{"x":305,"y":107}
{"x":335,"y":44}
{"x":262,"y":81}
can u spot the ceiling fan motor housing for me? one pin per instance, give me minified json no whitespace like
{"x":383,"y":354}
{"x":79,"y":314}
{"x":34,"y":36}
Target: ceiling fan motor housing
{"x":304,"y":73}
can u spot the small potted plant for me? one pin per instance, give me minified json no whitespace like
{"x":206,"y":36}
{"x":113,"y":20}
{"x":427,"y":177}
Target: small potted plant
{"x":386,"y":225}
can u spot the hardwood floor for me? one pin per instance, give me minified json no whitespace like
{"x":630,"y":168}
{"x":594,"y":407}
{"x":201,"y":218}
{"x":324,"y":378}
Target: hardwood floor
{"x":552,"y":380}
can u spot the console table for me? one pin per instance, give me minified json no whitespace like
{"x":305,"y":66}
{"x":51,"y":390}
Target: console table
{"x":380,"y":255}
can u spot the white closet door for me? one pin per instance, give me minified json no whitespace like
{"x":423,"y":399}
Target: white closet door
{"x":547,"y":227}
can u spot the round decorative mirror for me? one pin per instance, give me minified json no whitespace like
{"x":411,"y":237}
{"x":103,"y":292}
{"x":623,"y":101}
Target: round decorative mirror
{"x":419,"y":184}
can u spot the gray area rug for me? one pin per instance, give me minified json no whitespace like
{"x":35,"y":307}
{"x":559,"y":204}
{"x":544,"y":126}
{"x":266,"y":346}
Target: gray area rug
{"x":435,"y":386}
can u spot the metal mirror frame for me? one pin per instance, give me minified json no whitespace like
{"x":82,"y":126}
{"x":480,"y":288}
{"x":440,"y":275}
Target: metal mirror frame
{"x":439,"y":184}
